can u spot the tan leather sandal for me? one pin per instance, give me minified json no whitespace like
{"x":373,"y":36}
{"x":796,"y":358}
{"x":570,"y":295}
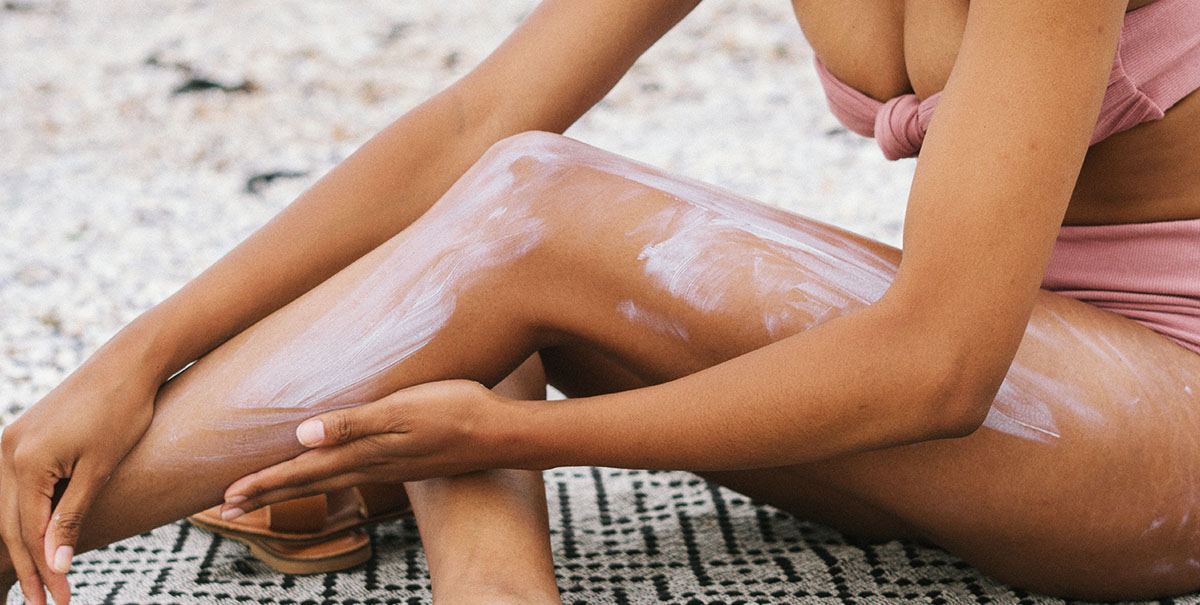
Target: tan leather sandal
{"x":316,"y":534}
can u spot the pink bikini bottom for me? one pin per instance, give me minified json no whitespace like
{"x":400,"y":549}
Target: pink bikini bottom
{"x":1148,"y":272}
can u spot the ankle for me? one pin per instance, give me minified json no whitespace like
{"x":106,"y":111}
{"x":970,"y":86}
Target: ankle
{"x":496,"y":594}
{"x":478,"y":584}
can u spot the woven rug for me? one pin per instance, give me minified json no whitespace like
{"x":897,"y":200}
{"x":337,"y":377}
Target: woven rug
{"x":618,"y":536}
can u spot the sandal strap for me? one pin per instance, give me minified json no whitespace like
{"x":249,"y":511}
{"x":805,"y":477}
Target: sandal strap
{"x":302,"y":515}
{"x":309,"y":514}
{"x":379,"y":499}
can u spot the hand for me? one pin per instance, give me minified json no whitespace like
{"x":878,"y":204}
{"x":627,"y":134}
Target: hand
{"x":53,"y":460}
{"x":431,"y":430}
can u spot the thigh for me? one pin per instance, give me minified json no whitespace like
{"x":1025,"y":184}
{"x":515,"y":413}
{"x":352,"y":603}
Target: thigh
{"x":1083,"y":479}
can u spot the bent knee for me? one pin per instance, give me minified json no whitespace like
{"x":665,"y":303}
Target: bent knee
{"x":533,"y":144}
{"x":511,"y":173}
{"x":545,"y":159}
{"x":542,"y":176}
{"x":522,"y":152}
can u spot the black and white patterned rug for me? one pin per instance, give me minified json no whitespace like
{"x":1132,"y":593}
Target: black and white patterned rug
{"x":619,"y":537}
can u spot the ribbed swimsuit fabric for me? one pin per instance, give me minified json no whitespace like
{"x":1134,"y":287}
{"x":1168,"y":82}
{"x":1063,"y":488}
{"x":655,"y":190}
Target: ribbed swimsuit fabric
{"x":1148,"y":272}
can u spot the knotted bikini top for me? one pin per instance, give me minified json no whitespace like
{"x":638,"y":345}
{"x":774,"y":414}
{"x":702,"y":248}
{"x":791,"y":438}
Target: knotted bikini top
{"x":1157,"y":64}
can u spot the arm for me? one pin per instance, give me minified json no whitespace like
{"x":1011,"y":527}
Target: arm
{"x":993,"y":182}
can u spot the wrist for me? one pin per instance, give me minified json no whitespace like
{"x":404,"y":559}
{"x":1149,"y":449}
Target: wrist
{"x":141,"y":350}
{"x":514,"y":433}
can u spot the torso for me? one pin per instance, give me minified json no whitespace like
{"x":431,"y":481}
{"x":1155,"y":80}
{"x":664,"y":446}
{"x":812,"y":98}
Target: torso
{"x":890,"y":47}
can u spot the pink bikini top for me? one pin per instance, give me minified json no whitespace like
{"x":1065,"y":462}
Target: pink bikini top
{"x":1157,"y":64}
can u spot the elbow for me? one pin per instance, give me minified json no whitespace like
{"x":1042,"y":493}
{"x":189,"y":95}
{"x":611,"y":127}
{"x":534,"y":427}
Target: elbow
{"x":946,"y":369}
{"x":960,"y":396}
{"x":966,"y":418}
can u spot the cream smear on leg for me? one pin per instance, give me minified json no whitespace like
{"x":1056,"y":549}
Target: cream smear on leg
{"x":658,"y":322}
{"x":1029,"y":399}
{"x":709,"y":261}
{"x":711,"y":245}
{"x":714,"y":243}
{"x":1137,"y":403}
{"x":332,"y":347}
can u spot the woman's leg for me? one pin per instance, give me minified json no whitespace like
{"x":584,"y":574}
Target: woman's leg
{"x":486,"y":535}
{"x":1082,"y":480}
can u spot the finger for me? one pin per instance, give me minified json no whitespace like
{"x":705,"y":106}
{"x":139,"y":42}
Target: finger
{"x":268,"y":498}
{"x":31,"y":583}
{"x":308,"y":468}
{"x":311,"y":468}
{"x":66,"y":522}
{"x":36,"y":489}
{"x":352,"y":423}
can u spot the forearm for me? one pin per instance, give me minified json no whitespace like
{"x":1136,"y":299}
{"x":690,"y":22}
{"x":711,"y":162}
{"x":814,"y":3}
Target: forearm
{"x":853,"y":384}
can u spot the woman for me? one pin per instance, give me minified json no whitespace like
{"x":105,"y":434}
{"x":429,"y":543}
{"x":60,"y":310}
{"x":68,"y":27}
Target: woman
{"x":784,"y":358}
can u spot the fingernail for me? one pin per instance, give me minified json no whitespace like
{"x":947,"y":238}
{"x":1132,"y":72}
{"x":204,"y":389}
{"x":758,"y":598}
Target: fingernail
{"x":62,"y":558}
{"x":310,"y":432}
{"x":231,"y":514}
{"x":235,"y":500}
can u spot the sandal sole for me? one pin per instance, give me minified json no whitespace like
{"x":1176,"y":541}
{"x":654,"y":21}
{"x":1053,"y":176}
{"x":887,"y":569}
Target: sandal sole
{"x":329,"y":553}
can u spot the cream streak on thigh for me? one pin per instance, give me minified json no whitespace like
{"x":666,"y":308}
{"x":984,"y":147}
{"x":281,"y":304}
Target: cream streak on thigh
{"x":1137,"y":404}
{"x":858,"y":271}
{"x":707,"y":246}
{"x":660,"y":323}
{"x":709,"y":261}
